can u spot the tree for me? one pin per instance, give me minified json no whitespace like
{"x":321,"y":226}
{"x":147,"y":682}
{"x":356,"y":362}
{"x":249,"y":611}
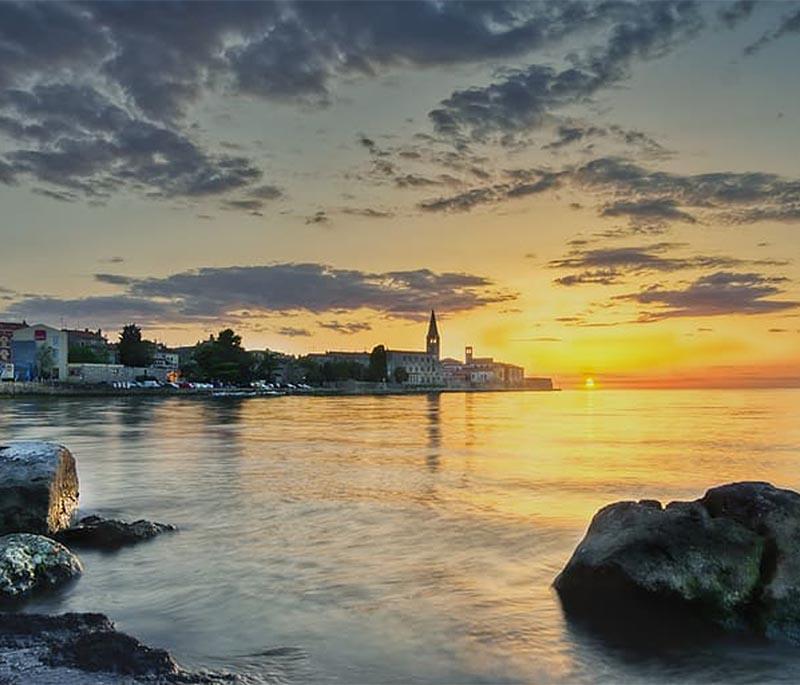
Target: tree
{"x":224,"y":359}
{"x":268,"y":366}
{"x":133,"y":351}
{"x":400,"y":374}
{"x":79,"y":354}
{"x":377,"y":364}
{"x":45,"y":362}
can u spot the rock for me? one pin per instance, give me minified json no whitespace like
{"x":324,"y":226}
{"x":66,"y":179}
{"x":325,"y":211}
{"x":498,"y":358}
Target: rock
{"x":38,"y":488}
{"x":97,"y":532}
{"x":29,"y":563}
{"x":774,"y":515}
{"x":85,"y":649}
{"x":732,"y":557}
{"x":633,"y":551}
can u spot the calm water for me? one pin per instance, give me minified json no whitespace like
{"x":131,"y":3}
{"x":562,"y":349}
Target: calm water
{"x":398,"y":539}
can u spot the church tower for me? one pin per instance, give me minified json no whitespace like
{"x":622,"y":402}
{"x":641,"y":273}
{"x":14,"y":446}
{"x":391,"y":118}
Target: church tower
{"x":433,"y":337}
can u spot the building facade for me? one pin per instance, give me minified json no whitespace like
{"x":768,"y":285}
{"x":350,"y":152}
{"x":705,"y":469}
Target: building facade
{"x":40,"y":352}
{"x":418,"y":368}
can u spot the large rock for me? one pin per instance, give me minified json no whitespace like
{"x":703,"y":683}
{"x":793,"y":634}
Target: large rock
{"x":30,"y":563}
{"x":731,"y":557}
{"x":109,"y":534}
{"x":85,"y":649}
{"x":633,"y":550}
{"x":38,"y":488}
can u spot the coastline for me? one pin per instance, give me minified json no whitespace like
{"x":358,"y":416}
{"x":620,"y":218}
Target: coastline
{"x":12,"y":390}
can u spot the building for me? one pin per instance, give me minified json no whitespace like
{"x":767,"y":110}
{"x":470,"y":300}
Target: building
{"x":485,"y":371}
{"x":6,"y":336}
{"x":40,"y":353}
{"x":93,"y":341}
{"x":336,"y":357}
{"x":108,"y":374}
{"x":418,"y":368}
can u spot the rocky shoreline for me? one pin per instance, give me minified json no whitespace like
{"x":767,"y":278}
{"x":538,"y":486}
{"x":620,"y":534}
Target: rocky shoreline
{"x":38,"y":504}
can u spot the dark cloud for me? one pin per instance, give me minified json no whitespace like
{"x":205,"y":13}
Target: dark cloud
{"x":293,"y":332}
{"x":319,"y":218}
{"x":719,"y":293}
{"x":523,"y":99}
{"x":113,"y":279}
{"x":367,"y":212}
{"x":657,"y":212}
{"x":212,"y":294}
{"x":92,"y":146}
{"x":531,"y":182}
{"x":609,"y":266}
{"x":790,"y":25}
{"x":346,"y":327}
{"x":726,"y":196}
{"x":733,"y":14}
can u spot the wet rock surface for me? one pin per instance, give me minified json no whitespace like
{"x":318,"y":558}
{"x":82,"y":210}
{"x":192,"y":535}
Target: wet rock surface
{"x":38,"y":487}
{"x":85,"y":649}
{"x":731,"y":559}
{"x":33,"y":563}
{"x":101,"y":533}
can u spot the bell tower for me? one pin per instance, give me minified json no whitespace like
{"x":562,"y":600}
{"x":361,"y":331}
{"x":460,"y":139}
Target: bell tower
{"x":432,"y":341}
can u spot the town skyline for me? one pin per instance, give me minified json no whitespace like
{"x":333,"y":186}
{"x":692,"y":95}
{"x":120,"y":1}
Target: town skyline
{"x":582,"y":189}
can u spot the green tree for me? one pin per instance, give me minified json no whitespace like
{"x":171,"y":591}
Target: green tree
{"x":268,"y":366}
{"x":45,"y":362}
{"x":224,"y":359}
{"x":377,"y":364}
{"x":400,"y":375}
{"x":133,"y":350}
{"x":78,"y":354}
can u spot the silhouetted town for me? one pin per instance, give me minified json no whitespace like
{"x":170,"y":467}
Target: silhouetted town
{"x":82,"y":357}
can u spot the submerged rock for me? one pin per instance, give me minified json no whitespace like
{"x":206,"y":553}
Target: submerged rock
{"x":30,"y":563}
{"x":731,"y":558}
{"x":85,"y":649}
{"x":100,"y":533}
{"x":38,"y":488}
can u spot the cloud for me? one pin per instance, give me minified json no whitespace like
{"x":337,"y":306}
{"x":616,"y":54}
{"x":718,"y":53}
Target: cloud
{"x":214,"y":294}
{"x":523,"y":99}
{"x":733,"y":14}
{"x":532,"y":182}
{"x":292,"y":332}
{"x":725,"y":196}
{"x":80,"y":140}
{"x":653,"y":213}
{"x":789,"y":25}
{"x":609,"y":266}
{"x":719,"y":293}
{"x":346,"y":327}
{"x":368,"y":212}
{"x":113,"y":279}
{"x":320,"y":217}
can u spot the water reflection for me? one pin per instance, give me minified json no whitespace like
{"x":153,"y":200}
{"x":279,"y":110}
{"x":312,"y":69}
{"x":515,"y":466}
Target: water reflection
{"x":434,"y":424}
{"x":398,"y":539}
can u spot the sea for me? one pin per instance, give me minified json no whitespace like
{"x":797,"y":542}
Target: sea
{"x":399,"y":539}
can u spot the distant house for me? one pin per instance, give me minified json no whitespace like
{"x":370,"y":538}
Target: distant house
{"x":30,"y":346}
{"x":485,"y":371}
{"x":90,"y":340}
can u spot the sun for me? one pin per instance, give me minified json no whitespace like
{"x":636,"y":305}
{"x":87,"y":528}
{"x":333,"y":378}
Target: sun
{"x":589,"y":384}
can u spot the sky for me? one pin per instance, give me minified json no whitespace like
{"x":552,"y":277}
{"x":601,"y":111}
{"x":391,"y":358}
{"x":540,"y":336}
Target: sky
{"x":587,"y":189}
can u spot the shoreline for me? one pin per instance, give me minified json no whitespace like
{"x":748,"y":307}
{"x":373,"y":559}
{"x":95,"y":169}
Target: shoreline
{"x":19,"y":390}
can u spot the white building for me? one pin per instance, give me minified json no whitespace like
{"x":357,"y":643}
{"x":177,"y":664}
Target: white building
{"x":28,"y":347}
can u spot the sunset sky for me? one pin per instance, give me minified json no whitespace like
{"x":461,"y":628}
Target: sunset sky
{"x":605,"y":189}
